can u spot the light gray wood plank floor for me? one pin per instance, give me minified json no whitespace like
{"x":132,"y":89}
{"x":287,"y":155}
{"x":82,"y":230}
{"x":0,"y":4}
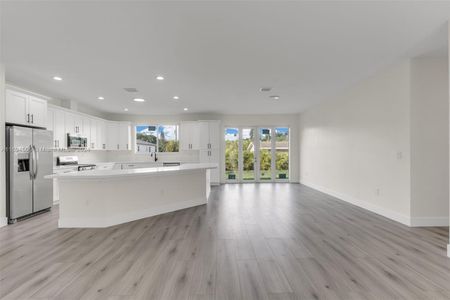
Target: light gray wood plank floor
{"x":252,"y":241}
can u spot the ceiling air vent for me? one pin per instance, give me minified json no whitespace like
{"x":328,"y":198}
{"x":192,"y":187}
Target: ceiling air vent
{"x":265,"y":89}
{"x":131,"y":90}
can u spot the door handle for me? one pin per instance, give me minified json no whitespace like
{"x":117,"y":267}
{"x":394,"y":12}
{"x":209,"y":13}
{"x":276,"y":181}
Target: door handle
{"x":28,"y":118}
{"x":31,"y":158}
{"x":36,"y":168}
{"x":32,"y":118}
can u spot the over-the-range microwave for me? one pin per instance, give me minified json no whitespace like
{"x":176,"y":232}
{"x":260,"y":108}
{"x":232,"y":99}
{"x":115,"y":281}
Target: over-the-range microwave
{"x":76,"y":142}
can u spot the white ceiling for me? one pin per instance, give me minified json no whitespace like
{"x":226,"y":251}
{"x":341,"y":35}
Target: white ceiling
{"x":214,"y":55}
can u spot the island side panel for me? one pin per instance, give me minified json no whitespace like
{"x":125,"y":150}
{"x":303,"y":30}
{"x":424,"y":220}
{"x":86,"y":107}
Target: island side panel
{"x":111,"y":201}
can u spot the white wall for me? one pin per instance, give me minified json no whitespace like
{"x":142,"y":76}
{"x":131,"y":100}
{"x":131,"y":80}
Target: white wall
{"x":448,"y":58}
{"x":383,"y":144}
{"x":3,"y":219}
{"x":429,"y":142}
{"x":357,"y":146}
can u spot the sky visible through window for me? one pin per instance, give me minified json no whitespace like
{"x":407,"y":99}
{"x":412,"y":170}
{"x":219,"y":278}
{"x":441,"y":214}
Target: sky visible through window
{"x":170,"y":132}
{"x":232,"y":134}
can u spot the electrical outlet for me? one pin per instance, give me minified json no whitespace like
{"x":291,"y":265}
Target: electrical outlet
{"x":377,"y":192}
{"x":399,"y":155}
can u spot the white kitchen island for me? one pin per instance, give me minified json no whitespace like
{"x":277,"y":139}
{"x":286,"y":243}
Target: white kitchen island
{"x":102,"y":198}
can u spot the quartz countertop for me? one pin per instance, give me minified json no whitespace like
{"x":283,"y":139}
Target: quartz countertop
{"x":100,"y":174}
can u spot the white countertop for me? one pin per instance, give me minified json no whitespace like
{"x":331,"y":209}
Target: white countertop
{"x":99,"y":174}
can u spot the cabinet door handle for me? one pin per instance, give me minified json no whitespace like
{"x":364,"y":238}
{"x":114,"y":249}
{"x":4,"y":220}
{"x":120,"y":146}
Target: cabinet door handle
{"x":32,"y":118}
{"x":117,"y":146}
{"x":127,"y":146}
{"x":28,"y":118}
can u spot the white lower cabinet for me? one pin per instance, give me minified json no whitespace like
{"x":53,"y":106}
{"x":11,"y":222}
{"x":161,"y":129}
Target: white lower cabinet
{"x":211,"y":156}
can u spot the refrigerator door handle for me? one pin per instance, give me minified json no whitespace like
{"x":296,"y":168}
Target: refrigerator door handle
{"x":35,"y":160}
{"x":31,"y":162}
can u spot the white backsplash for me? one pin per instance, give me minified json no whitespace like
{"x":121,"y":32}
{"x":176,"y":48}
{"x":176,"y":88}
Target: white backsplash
{"x":86,"y":157}
{"x":126,"y":156}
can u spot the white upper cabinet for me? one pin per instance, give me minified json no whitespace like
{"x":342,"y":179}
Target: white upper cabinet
{"x":112,"y":136}
{"x":101,"y":135}
{"x":37,"y":108}
{"x":69,"y":123}
{"x":124,"y":136}
{"x":93,"y":134}
{"x":25,"y":109}
{"x":86,"y":129}
{"x":74,"y":124}
{"x":55,"y":122}
{"x":189,"y":136}
{"x":209,"y":134}
{"x":118,"y":136}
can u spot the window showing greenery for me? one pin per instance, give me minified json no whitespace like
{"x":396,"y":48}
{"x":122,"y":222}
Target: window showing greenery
{"x":248,"y":154}
{"x":257,"y":154}
{"x":265,"y":154}
{"x":157,"y":138}
{"x":231,"y":153}
{"x":282,"y":153}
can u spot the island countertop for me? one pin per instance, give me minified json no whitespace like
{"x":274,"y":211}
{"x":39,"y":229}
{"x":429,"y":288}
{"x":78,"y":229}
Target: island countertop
{"x":102,"y":174}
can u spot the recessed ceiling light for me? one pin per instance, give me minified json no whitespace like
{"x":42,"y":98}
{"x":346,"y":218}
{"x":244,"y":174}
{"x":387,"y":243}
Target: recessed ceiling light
{"x":101,"y":98}
{"x":160,"y":77}
{"x":138,"y":100}
{"x":275,"y":97}
{"x":57,"y":78}
{"x":176,"y":97}
{"x":185,"y":109}
{"x":125,"y":109}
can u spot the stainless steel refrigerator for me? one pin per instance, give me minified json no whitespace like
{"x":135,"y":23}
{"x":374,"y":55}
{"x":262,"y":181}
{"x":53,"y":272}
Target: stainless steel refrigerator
{"x":28,"y":159}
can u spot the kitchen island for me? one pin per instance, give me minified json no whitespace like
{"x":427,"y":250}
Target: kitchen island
{"x":103,"y":198}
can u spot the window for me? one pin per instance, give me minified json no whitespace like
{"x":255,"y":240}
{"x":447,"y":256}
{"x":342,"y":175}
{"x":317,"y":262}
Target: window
{"x":282,"y":153}
{"x":157,"y":138}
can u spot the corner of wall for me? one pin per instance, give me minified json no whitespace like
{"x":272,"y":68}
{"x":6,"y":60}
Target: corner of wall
{"x":3,"y":219}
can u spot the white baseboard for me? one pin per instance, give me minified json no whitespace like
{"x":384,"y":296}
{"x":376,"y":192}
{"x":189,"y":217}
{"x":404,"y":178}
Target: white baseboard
{"x":429,"y":222}
{"x":3,"y":221}
{"x":405,"y":220}
{"x":126,"y":217}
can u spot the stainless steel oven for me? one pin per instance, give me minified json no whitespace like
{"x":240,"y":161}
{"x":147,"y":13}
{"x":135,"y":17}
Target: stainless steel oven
{"x":76,"y":142}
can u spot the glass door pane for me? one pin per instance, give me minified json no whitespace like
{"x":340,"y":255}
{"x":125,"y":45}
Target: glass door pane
{"x":248,"y":154}
{"x":265,"y":154}
{"x":231,"y":154}
{"x":282,"y":153}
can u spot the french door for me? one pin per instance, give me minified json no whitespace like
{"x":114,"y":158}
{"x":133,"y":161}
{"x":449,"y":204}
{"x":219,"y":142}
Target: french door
{"x":256,"y":154}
